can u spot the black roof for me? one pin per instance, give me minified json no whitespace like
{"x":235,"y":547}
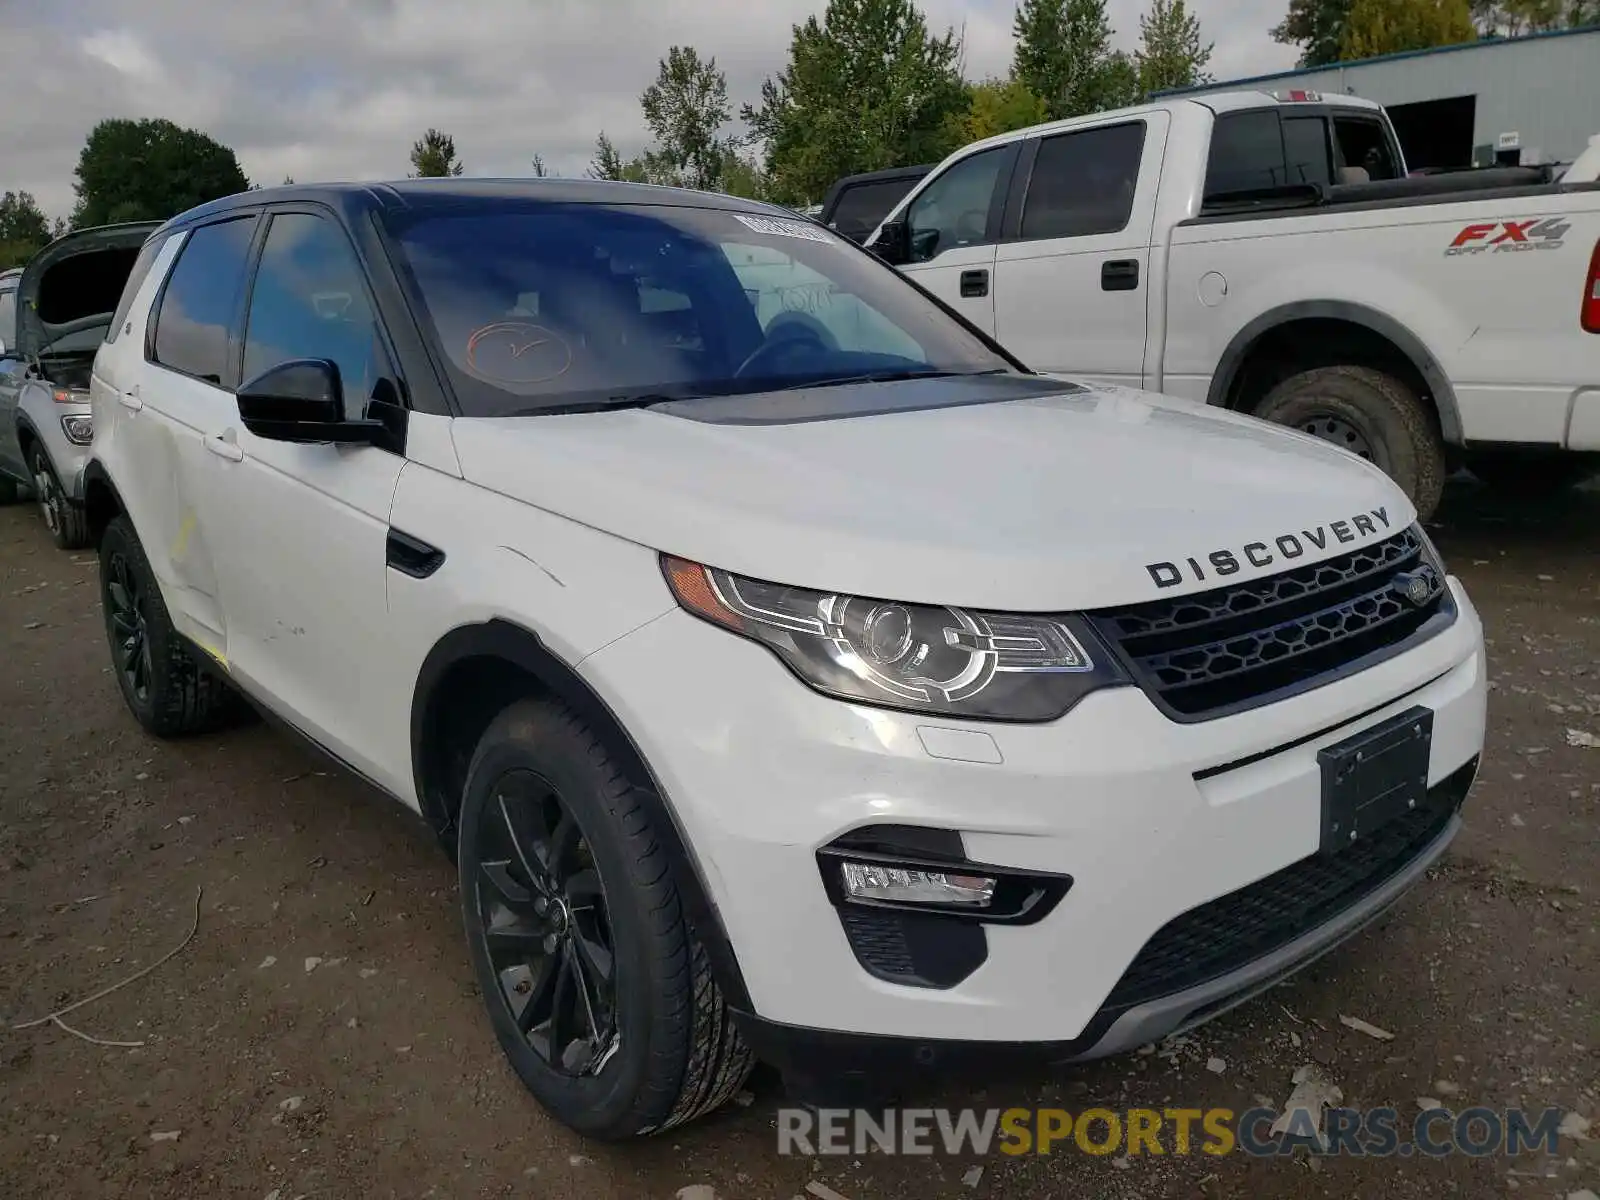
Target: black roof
{"x":428,"y":193}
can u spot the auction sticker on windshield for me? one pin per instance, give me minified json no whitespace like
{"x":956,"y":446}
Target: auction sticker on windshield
{"x":780,"y":228}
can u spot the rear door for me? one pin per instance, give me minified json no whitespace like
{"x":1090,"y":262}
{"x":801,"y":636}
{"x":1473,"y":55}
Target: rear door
{"x":954,"y":223}
{"x":1071,"y":275}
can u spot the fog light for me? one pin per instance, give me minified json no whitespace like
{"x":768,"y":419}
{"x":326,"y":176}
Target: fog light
{"x":867,"y":881}
{"x":79,"y":430}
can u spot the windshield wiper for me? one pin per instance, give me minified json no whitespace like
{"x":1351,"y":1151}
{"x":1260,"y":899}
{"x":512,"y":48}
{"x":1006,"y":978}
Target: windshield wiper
{"x":882,"y":377}
{"x":599,"y":404}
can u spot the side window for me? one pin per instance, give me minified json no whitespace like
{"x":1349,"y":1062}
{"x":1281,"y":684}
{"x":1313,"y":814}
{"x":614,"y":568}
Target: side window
{"x":201,"y":297}
{"x":1305,"y":147}
{"x":954,"y":209}
{"x":1362,"y":144}
{"x":1084,"y":183}
{"x":136,"y":278}
{"x":310,"y":301}
{"x":863,"y":205}
{"x":785,"y":292}
{"x":1246,"y":154}
{"x":8,"y":318}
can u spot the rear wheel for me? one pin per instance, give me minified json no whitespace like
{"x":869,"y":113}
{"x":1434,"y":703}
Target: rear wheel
{"x":67,"y":522}
{"x":165,"y":687}
{"x":597,"y":989}
{"x":1370,"y":414}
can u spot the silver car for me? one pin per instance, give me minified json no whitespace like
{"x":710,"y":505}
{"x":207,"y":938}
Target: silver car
{"x":54,"y":314}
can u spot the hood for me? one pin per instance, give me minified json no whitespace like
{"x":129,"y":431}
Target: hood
{"x":75,"y":282}
{"x":1067,"y":500}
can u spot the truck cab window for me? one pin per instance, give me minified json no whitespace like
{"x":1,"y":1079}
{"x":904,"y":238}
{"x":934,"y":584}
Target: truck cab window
{"x":1362,"y":144}
{"x":1306,"y":150}
{"x":954,"y":209}
{"x":1083,"y":183}
{"x":1247,"y":154}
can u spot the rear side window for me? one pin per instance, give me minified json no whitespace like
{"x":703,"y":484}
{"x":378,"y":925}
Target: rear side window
{"x":862,"y":206}
{"x":1246,"y":154}
{"x":1084,"y":183}
{"x":8,"y":317}
{"x":1305,"y":148}
{"x":201,"y":298}
{"x":136,"y":278}
{"x":1362,"y":144}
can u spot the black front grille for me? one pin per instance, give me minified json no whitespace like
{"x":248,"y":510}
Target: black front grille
{"x":1234,"y":930}
{"x":1219,"y":652}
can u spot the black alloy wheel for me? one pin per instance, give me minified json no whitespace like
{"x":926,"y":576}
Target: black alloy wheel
{"x":545,"y":925}
{"x":129,"y":626}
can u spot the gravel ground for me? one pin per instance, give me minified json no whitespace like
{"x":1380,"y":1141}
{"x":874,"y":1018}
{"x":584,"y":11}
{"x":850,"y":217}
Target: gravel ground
{"x":321,"y":1035}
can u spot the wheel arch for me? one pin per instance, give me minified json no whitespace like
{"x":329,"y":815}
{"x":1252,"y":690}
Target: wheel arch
{"x":1366,"y":324}
{"x":101,"y":500}
{"x":467,"y":678}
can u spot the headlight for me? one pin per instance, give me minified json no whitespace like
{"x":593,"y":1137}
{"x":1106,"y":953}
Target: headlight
{"x":79,"y":430}
{"x":921,"y":658}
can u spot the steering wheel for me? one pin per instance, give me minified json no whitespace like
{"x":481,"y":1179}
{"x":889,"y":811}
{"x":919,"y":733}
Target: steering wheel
{"x":784,"y":337}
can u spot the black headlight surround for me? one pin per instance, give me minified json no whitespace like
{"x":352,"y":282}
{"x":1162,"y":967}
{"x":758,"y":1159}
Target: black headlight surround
{"x":931,"y":660}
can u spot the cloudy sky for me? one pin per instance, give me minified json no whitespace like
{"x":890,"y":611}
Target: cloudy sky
{"x":329,"y":89}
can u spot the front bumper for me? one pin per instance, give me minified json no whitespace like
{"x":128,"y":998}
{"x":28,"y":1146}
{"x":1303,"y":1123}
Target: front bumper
{"x":68,"y":458}
{"x":1151,"y":819}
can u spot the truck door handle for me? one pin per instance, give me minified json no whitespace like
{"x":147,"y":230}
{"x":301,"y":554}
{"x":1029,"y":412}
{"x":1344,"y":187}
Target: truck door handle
{"x":130,"y":400}
{"x":224,"y":445}
{"x":1120,"y":275}
{"x":974,"y":283}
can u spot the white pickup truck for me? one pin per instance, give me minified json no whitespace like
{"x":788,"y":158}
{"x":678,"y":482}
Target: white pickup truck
{"x":1268,"y":253}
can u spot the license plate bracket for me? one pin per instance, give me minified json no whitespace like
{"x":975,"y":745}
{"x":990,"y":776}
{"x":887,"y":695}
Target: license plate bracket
{"x":1370,"y":779}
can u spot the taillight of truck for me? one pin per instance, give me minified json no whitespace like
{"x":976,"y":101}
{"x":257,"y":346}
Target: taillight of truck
{"x":1589,"y":316}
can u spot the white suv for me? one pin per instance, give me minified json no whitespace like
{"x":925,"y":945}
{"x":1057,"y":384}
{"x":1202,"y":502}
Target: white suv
{"x":794,"y":674}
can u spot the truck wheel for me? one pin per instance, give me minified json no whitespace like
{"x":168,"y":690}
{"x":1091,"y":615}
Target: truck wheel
{"x":67,"y":522}
{"x":1370,"y":414}
{"x":166,"y":688}
{"x":1533,"y":476}
{"x":597,"y":989}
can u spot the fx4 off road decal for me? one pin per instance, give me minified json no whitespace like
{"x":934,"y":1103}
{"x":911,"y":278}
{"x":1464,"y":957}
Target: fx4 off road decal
{"x":1509,"y":237}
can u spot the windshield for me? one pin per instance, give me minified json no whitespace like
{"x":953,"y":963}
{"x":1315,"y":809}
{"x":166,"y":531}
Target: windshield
{"x":549,"y":307}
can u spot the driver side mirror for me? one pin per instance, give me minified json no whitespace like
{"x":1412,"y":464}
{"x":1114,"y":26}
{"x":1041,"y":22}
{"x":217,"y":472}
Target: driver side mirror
{"x":302,"y":401}
{"x":893,"y":243}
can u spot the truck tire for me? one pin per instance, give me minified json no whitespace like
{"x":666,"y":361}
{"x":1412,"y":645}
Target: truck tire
{"x":1533,"y":476}
{"x":166,"y":688}
{"x":1371,"y":414}
{"x":67,"y":522}
{"x":597,"y":988}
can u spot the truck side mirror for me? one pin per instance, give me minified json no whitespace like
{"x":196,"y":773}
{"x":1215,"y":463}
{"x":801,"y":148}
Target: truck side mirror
{"x":893,"y":243}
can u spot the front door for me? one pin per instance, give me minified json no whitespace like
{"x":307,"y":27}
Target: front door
{"x":12,"y":370}
{"x":953,"y":223}
{"x":302,"y":528}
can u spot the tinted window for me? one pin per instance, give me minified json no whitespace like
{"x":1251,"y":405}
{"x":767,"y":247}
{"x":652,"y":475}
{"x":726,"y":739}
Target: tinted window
{"x":534,"y":306}
{"x":1362,"y":144}
{"x":136,"y":278}
{"x":1305,"y":146}
{"x":1246,"y":154}
{"x":863,"y":205}
{"x":310,"y":300}
{"x":8,"y":318}
{"x":954,"y":209}
{"x":1083,"y":183}
{"x":201,"y":297}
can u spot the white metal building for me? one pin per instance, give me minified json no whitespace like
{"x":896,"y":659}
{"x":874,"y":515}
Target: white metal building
{"x":1528,"y":100}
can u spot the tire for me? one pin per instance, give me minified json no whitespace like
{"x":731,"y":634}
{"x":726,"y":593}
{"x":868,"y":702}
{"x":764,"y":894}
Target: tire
{"x":168,"y":690}
{"x":549,"y":817}
{"x":1533,"y":476}
{"x":67,"y":522}
{"x":1362,"y":405}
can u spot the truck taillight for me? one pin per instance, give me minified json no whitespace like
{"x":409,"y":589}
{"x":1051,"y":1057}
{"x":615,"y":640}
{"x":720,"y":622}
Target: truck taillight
{"x":1589,"y":315}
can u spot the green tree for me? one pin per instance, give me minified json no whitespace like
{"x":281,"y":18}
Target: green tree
{"x":1171,"y":54}
{"x":1391,"y":26}
{"x":686,"y":108}
{"x":1063,"y":54}
{"x":149,"y":170}
{"x":995,"y":106}
{"x":539,"y":169}
{"x":606,"y":163}
{"x":743,"y":176}
{"x":24,"y":229}
{"x":866,"y":87}
{"x":433,"y":156}
{"x":1317,"y":27}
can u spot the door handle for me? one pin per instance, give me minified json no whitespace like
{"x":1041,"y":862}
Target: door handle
{"x":130,"y":400}
{"x":974,"y":283}
{"x":223,"y":445}
{"x":1120,"y":275}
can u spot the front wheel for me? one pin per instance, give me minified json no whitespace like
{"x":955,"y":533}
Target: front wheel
{"x":1372,"y":415}
{"x":598,"y":991}
{"x":67,"y":522}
